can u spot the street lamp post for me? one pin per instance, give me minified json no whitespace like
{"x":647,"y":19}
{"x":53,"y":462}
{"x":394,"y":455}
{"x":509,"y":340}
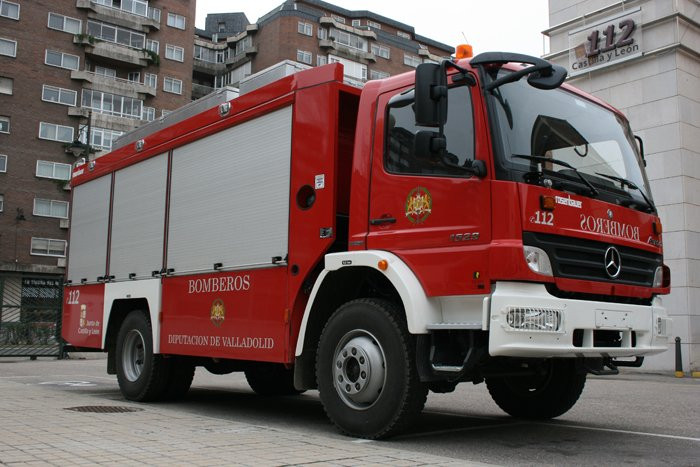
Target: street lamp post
{"x":78,"y":148}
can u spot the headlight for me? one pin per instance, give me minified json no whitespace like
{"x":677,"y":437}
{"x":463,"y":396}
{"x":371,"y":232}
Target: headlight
{"x":537,"y":260}
{"x":534,"y":319}
{"x":658,"y":277}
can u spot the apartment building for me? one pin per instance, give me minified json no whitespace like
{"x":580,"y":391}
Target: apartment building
{"x":313,"y":33}
{"x":72,"y":70}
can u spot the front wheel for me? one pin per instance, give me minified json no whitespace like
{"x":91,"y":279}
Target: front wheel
{"x":551,"y":391}
{"x":365,"y":367}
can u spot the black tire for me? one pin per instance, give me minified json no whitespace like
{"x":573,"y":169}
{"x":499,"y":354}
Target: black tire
{"x":550,"y":393}
{"x":180,"y":376}
{"x":271,"y":379}
{"x":366,"y":344}
{"x":142,"y":375}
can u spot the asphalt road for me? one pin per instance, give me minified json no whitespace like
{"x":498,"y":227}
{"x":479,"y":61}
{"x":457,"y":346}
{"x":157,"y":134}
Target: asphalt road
{"x":633,"y":418}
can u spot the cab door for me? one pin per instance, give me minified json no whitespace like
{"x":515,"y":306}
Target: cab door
{"x":432,"y":214}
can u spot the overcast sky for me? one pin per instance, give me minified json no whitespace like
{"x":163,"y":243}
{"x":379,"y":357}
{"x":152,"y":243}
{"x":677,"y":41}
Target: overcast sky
{"x":491,"y":25}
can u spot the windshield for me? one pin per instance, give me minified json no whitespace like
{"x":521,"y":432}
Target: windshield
{"x":557,"y":124}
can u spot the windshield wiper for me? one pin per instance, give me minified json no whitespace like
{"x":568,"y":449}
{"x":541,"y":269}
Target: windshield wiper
{"x":624,"y":181}
{"x":593,"y":190}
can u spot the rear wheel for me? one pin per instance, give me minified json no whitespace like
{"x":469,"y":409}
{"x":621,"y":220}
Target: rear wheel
{"x":551,"y":391}
{"x":365,"y":368}
{"x":142,"y":375}
{"x":271,"y":379}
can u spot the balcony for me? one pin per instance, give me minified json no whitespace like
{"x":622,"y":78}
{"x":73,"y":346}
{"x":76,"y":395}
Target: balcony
{"x":208,"y":68}
{"x":247,"y":52}
{"x":125,"y":18}
{"x":120,"y":54}
{"x":347,"y":52}
{"x":328,"y":21}
{"x":101,"y":120}
{"x":120,"y":86}
{"x":425,"y":53}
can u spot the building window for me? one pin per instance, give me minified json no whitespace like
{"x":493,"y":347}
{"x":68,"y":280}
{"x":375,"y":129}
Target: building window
{"x":4,"y":124}
{"x":176,"y":21}
{"x":349,"y":40}
{"x":150,"y":80}
{"x":172,"y":85}
{"x":8,"y":47}
{"x":55,"y":170}
{"x":153,"y":46}
{"x":381,"y":51}
{"x":411,"y":60}
{"x":338,"y":19}
{"x":50,"y":208}
{"x":374,"y":25}
{"x":9,"y":9}
{"x":103,"y":71}
{"x":304,"y":57}
{"x":148,"y":114}
{"x":54,"y":132}
{"x":59,"y":95}
{"x":122,"y":36}
{"x":48,"y":247}
{"x":62,"y":60}
{"x":221,"y":26}
{"x":356,"y":23}
{"x":101,"y":138}
{"x":322,"y":33}
{"x":405,"y":35}
{"x":112,"y":104}
{"x":321,"y":60}
{"x":65,"y":23}
{"x":2,"y":203}
{"x":173,"y":52}
{"x":306,"y":29}
{"x":354,"y":70}
{"x":243,"y":44}
{"x":6,"y":85}
{"x":134,"y":76}
{"x":376,"y":74}
{"x":3,"y":163}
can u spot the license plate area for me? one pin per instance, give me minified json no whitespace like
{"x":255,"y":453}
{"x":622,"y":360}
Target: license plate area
{"x":607,"y":319}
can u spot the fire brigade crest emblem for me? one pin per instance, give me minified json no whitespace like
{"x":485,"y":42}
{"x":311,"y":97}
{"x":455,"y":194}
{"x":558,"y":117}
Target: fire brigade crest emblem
{"x":419,"y":205}
{"x":218,"y":312}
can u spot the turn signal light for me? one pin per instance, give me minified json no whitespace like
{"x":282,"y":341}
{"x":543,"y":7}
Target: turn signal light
{"x":382,"y":264}
{"x":657,"y":227}
{"x":547,"y":203}
{"x":464,"y":51}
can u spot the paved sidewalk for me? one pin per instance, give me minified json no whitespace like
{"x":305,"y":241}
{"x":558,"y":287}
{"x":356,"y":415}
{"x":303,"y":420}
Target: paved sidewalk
{"x":36,"y":428}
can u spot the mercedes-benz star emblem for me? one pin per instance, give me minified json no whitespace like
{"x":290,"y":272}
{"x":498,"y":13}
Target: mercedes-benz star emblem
{"x":613,"y":262}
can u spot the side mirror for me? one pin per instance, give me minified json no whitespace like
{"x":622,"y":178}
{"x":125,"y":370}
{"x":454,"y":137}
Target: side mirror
{"x":429,"y":144}
{"x":547,"y":79}
{"x":431,"y":95}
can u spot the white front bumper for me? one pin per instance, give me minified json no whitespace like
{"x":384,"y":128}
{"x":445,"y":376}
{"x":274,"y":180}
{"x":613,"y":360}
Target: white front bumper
{"x":650,"y":325}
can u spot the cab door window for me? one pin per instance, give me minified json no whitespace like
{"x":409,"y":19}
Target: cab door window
{"x":400,"y":155}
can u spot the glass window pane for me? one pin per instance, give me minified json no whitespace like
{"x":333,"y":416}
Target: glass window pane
{"x":62,"y":171}
{"x":44,"y":169}
{"x":47,"y":131}
{"x":53,"y":58}
{"x":71,"y":62}
{"x":72,"y":26}
{"x":57,"y":247}
{"x":55,"y":21}
{"x":40,"y":245}
{"x":42,"y":207}
{"x":50,"y":94}
{"x":65,"y":133}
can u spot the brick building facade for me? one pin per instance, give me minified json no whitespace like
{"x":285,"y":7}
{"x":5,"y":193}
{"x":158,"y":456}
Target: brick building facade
{"x":311,"y":32}
{"x":116,"y":62}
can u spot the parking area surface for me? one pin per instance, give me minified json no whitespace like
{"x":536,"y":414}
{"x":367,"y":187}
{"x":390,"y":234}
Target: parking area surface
{"x":71,"y":412}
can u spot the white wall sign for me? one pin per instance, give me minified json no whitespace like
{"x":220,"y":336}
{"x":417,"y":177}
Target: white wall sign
{"x":606,"y":42}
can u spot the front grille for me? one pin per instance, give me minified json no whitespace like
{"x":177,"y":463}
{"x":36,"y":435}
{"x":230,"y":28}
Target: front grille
{"x":576,"y":258}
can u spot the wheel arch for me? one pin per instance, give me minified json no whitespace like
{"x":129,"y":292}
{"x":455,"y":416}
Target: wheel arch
{"x":351,"y":275}
{"x":119,"y":310}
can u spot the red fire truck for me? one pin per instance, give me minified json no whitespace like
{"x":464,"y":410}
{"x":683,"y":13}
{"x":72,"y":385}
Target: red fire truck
{"x":476,"y":220}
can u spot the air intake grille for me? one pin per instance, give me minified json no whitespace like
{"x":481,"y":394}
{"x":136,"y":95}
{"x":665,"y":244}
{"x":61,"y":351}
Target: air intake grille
{"x":575,"y":258}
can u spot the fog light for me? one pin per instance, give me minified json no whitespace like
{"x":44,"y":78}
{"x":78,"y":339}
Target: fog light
{"x":534,"y":319}
{"x":537,"y":260}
